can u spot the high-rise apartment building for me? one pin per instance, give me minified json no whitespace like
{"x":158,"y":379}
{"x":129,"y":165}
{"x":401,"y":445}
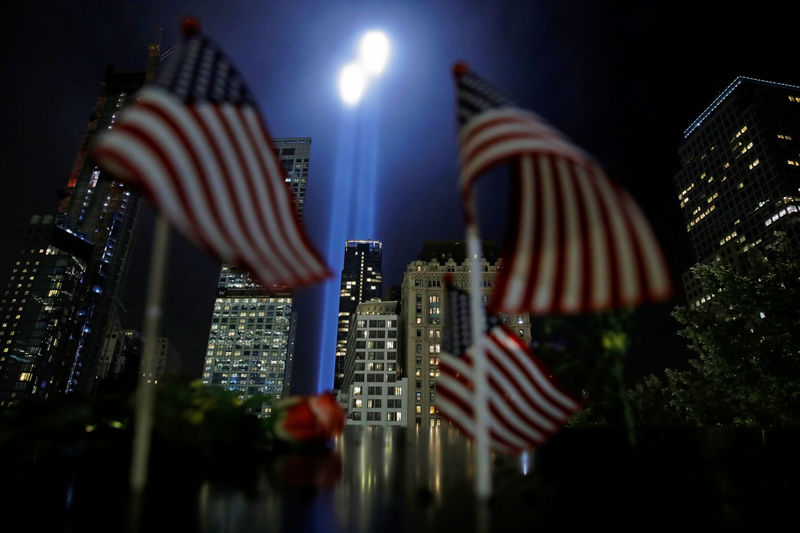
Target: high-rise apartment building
{"x":38,"y":309}
{"x":251,"y":342}
{"x":376,"y":396}
{"x":422,"y":310}
{"x":740,"y":172}
{"x":294,"y":154}
{"x":122,"y":359}
{"x":362,"y":281}
{"x":104,"y":211}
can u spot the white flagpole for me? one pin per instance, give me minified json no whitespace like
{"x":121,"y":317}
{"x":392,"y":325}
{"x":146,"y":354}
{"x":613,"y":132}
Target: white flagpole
{"x":145,"y":392}
{"x":483,"y":465}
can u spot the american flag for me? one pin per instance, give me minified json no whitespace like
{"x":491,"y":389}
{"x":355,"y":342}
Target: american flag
{"x":580,"y":243}
{"x":196,"y":143}
{"x":526,"y":404}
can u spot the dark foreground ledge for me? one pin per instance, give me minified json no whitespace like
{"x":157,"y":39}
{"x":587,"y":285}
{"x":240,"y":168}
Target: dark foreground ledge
{"x":399,"y":480}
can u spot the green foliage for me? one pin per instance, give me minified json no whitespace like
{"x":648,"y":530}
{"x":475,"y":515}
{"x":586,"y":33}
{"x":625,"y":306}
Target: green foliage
{"x":588,"y":354}
{"x":651,"y":401}
{"x":197,"y":429}
{"x":747,"y":370}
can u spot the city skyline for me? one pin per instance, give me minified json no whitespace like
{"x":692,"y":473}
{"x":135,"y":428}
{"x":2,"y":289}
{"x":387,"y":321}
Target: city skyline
{"x":622,"y":82}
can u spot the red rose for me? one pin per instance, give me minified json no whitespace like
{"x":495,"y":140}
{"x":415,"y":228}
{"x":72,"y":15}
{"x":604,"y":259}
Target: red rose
{"x":307,"y":418}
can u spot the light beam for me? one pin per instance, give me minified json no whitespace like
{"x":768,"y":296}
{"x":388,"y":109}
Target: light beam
{"x":374,"y":52}
{"x":352,"y":82}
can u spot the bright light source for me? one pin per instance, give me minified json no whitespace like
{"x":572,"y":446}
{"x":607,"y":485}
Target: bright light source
{"x":374,"y":52}
{"x":352,"y":82}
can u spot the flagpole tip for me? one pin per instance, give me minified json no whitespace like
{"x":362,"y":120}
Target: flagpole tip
{"x":459,"y":69}
{"x":190,"y":26}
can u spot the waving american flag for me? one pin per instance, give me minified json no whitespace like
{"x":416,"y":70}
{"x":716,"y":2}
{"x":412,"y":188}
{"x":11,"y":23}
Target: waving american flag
{"x":526,"y":404}
{"x":197,"y":144}
{"x":580,"y":243}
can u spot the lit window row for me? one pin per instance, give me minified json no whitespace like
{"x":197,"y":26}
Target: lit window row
{"x":785,"y":137}
{"x":780,"y":214}
{"x":753,"y":165}
{"x":700,"y":217}
{"x":686,"y":190}
{"x":793,"y":163}
{"x":727,"y":238}
{"x":795,"y":99}
{"x":703,"y":300}
{"x":739,"y":133}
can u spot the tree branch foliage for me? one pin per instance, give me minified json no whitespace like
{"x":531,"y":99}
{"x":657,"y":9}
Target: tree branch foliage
{"x":747,"y":369}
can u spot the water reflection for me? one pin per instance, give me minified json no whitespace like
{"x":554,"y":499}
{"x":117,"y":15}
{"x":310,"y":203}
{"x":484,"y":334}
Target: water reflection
{"x":373,"y":479}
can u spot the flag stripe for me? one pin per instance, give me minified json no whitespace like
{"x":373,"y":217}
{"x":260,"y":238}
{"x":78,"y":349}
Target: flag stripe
{"x":286,"y":210}
{"x":132,"y":160}
{"x":180,"y":132}
{"x":545,"y":269}
{"x":198,"y":146}
{"x":570,"y":273}
{"x":524,"y":408}
{"x":535,"y":406}
{"x":530,"y":422}
{"x":533,"y":368}
{"x":148,"y":144}
{"x":600,"y":288}
{"x":527,"y":238}
{"x":227,"y":152}
{"x":223,"y":123}
{"x":505,"y":430}
{"x":190,"y":180}
{"x":580,"y":243}
{"x":540,"y":413}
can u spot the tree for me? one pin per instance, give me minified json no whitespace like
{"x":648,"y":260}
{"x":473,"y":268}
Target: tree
{"x":747,"y":372}
{"x":588,"y":354}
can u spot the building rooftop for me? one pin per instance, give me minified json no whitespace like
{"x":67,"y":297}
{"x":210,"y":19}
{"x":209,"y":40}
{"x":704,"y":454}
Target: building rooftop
{"x":457,"y":250}
{"x":725,"y":94}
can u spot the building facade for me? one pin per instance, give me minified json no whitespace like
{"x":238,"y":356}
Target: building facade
{"x":122,"y":359}
{"x":104,"y":211}
{"x":249,"y":338}
{"x":740,"y":169}
{"x":252,"y":336}
{"x":374,"y":393}
{"x":294,"y":154}
{"x":38,"y":310}
{"x":421,"y":316}
{"x":362,"y":281}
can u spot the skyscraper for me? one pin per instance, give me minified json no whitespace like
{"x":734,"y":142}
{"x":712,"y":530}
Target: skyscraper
{"x":103,"y":211}
{"x":422,"y":309}
{"x":95,"y":213}
{"x":362,"y":281}
{"x":38,"y":310}
{"x":740,"y":170}
{"x":251,"y":341}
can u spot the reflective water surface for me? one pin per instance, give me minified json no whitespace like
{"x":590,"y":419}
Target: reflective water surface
{"x":395,"y":480}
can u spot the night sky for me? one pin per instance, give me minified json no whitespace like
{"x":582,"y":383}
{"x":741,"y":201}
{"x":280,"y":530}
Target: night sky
{"x":623,"y":82}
